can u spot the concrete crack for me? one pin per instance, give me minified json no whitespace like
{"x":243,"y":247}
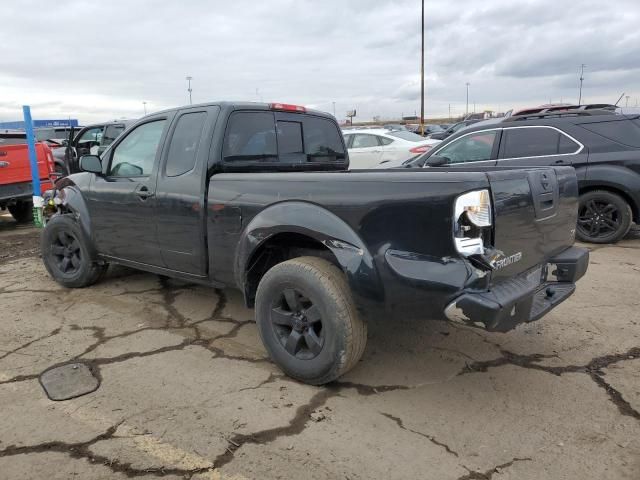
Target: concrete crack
{"x":431,"y":438}
{"x":296,"y":425}
{"x":28,"y":344}
{"x":82,"y":450}
{"x":594,"y":369}
{"x":488,"y":474}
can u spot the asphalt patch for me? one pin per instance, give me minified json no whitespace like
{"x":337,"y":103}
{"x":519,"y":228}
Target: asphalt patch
{"x":68,"y":381}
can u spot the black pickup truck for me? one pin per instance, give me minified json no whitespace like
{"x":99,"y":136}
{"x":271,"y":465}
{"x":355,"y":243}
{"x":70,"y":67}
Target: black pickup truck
{"x":256,"y":196}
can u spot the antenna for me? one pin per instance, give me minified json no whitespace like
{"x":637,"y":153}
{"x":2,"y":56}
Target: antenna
{"x":616,"y":104}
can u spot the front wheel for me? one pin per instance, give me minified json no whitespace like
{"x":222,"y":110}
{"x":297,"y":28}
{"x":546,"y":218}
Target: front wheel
{"x":308,"y":321}
{"x":603,"y":217}
{"x":66,"y":255}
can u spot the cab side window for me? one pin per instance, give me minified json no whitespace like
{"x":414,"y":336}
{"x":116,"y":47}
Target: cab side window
{"x":250,"y":136}
{"x":184,"y":143}
{"x":135,"y":155}
{"x":474,"y":147}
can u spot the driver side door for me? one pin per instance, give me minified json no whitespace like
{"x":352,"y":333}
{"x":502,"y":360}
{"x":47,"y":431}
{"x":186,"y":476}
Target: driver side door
{"x":122,"y":201}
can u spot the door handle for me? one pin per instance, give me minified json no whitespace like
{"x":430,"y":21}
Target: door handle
{"x":143,"y":192}
{"x":4,"y":164}
{"x":558,"y":162}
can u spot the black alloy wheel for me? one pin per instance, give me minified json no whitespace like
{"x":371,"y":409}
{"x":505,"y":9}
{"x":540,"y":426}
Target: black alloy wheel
{"x":603,"y":217}
{"x":308,"y":320}
{"x":297,"y":323}
{"x":66,"y":250}
{"x":66,"y":253}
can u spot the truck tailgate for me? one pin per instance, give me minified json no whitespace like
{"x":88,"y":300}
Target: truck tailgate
{"x":535,"y":213}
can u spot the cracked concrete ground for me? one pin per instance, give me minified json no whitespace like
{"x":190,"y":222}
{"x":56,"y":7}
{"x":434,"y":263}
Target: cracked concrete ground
{"x":187,"y":391}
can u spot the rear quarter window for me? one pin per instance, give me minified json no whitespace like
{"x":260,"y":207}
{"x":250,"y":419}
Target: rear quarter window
{"x":298,"y":139}
{"x":624,"y":131}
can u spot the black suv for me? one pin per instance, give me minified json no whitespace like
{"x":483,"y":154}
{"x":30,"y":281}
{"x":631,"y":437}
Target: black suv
{"x":602,"y":146}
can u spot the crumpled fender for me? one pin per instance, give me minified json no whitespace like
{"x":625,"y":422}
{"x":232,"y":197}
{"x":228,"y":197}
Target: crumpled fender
{"x":70,"y":201}
{"x":320,"y":224}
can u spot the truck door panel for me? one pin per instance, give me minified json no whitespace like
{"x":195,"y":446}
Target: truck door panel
{"x":122,"y":202}
{"x":180,"y":209}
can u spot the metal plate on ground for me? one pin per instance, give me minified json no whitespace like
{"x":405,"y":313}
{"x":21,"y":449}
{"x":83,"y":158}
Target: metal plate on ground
{"x":68,"y":381}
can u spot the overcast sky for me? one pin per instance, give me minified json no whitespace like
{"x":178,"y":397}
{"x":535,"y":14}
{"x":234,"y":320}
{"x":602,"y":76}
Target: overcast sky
{"x":100,"y":60}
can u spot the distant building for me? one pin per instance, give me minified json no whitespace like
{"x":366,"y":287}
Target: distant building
{"x":19,"y":125}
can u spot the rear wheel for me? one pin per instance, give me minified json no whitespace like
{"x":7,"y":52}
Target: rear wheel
{"x":308,"y":321}
{"x":603,"y":217}
{"x":22,"y":211}
{"x":66,"y":255}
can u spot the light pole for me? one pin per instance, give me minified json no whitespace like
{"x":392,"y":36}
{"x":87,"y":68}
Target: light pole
{"x":189,"y":78}
{"x":627,"y":100}
{"x":334,"y":109}
{"x":581,"y":80}
{"x":144,"y":104}
{"x":422,"y":75}
{"x":467,"y":109}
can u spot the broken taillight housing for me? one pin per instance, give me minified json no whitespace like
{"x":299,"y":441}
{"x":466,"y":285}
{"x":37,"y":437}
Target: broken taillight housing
{"x":472,"y":222}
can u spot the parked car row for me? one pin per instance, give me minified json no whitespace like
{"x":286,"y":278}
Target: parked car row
{"x":374,"y":147}
{"x":603,"y":148}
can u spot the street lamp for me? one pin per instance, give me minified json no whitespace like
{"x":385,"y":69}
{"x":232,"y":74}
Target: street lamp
{"x":467,"y":110}
{"x":422,"y":74}
{"x":189,"y":78}
{"x":144,"y":104}
{"x":581,"y":80}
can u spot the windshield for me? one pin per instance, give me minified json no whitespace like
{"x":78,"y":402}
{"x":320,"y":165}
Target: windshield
{"x":409,"y":136}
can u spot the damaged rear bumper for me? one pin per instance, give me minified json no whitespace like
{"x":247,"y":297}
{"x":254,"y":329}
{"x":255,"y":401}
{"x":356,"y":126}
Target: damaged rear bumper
{"x":524,"y":298}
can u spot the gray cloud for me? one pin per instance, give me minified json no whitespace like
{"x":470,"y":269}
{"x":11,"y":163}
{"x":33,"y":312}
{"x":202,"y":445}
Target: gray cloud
{"x":98,"y":60}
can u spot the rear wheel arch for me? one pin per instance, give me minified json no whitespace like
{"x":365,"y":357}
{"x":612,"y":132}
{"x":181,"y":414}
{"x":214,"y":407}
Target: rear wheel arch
{"x":293,"y":229}
{"x":277,"y":249}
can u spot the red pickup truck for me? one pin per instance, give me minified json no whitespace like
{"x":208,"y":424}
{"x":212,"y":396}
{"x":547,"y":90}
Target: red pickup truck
{"x":15,"y":175}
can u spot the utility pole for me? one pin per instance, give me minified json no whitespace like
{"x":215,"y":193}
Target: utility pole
{"x":581,"y":80}
{"x":189,"y":78}
{"x":467,"y":110}
{"x":334,"y":109}
{"x":144,"y":104}
{"x":422,"y":75}
{"x":449,"y":112}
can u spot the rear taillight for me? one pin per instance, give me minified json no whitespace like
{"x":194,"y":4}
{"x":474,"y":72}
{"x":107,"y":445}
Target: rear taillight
{"x":287,"y":107}
{"x":472,"y":222}
{"x":422,"y":149}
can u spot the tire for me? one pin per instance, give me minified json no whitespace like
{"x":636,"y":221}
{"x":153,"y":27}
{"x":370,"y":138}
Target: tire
{"x":22,"y":212}
{"x":66,"y":255}
{"x":327,"y":338}
{"x":603,"y":217}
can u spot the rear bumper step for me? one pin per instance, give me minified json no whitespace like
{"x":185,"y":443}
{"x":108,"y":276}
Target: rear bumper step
{"x":524,"y":298}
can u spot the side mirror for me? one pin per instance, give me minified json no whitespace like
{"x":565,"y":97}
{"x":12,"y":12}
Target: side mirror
{"x":436,"y":161}
{"x":90,"y":163}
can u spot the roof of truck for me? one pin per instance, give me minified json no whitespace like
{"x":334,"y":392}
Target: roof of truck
{"x":247,"y":106}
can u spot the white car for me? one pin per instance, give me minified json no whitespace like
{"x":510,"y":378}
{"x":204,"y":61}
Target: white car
{"x":374,"y":148}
